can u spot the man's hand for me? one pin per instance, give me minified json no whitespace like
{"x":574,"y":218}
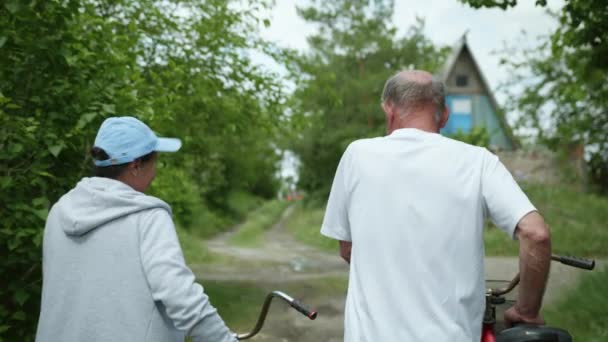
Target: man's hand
{"x":345,"y":248}
{"x":512,"y":315}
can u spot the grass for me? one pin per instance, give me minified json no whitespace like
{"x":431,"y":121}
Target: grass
{"x":577,"y":221}
{"x":195,"y":251}
{"x":305,"y":224}
{"x":583,"y":311}
{"x":251,"y":231}
{"x":209,"y":224}
{"x":239,"y":303}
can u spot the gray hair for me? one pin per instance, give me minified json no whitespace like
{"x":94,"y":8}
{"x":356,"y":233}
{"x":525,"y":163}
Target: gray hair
{"x":408,"y":94}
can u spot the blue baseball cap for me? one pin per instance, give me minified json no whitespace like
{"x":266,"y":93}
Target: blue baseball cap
{"x":125,"y":139}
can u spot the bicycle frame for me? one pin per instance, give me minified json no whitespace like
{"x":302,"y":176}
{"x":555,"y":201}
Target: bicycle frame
{"x":495,"y":296}
{"x":311,"y":314}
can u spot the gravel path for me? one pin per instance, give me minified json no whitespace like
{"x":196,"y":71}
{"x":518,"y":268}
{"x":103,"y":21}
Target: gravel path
{"x":280,"y":258}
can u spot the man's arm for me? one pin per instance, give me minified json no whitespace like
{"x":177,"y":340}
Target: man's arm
{"x":345,"y":248}
{"x":534,"y":261}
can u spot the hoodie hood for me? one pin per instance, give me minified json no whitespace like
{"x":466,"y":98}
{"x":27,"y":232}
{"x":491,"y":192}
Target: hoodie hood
{"x":96,"y":201}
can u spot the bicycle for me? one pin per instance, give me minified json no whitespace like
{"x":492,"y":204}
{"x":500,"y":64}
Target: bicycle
{"x":524,"y":332}
{"x":311,"y":314}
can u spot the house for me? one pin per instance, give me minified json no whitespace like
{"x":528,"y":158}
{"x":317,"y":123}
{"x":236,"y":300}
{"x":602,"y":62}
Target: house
{"x":471,"y":101}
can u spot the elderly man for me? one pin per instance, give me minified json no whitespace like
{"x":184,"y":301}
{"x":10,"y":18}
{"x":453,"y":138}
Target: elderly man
{"x":409,"y":210}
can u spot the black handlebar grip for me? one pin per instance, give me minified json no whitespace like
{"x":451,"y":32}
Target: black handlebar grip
{"x":577,"y":262}
{"x":311,"y":314}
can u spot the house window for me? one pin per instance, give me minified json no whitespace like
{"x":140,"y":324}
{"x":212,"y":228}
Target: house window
{"x":461,"y":115}
{"x":462,"y":106}
{"x":462,"y":80}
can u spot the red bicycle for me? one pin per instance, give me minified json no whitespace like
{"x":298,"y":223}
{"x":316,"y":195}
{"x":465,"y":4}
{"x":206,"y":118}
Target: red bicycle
{"x":524,"y":332}
{"x":311,"y":314}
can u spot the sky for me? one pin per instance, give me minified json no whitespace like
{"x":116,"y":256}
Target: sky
{"x":446,"y":21}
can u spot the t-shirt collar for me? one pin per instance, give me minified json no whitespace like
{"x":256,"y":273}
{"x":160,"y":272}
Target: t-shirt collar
{"x":408,"y":132}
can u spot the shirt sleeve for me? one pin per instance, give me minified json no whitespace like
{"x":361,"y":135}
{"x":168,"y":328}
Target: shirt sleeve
{"x":173,"y":283}
{"x":504,"y":200}
{"x":335,"y":222}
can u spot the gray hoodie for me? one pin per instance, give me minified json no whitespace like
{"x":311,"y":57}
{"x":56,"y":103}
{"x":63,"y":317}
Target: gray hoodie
{"x":114,"y":271}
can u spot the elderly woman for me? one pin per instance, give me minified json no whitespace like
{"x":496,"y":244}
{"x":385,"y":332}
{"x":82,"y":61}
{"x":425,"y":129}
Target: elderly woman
{"x":112,"y":264}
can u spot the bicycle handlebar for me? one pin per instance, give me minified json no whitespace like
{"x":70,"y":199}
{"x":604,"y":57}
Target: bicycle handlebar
{"x":566,"y":260}
{"x":574,"y":261}
{"x":311,"y":314}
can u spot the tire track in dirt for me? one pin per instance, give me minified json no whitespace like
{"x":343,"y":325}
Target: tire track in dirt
{"x":280,"y":256}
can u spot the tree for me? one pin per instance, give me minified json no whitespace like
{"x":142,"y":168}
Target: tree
{"x":339,"y":82}
{"x":566,"y":100}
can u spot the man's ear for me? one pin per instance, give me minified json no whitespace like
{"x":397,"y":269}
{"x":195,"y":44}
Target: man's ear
{"x":386,"y":107}
{"x":389,"y":112}
{"x":444,"y":117}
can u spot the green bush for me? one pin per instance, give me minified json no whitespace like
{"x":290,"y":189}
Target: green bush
{"x":477,"y":136}
{"x":176,"y":187}
{"x":241,"y":203}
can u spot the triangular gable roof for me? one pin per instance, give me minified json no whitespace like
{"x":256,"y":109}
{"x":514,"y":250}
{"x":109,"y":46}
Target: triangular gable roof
{"x":446,"y":71}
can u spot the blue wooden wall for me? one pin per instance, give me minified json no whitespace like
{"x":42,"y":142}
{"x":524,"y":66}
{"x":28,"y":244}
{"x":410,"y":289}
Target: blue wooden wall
{"x":468,"y":111}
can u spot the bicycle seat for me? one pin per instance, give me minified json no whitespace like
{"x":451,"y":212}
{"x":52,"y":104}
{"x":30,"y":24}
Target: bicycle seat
{"x":533,"y":333}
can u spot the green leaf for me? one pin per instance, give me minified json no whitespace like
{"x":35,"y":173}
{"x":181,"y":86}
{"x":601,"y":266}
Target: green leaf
{"x":85,"y":119}
{"x":12,"y":6}
{"x":14,"y":243}
{"x":266,"y":23}
{"x":19,"y":316}
{"x":42,"y":173}
{"x":4,"y":328}
{"x":3,"y":41}
{"x":5,"y":182}
{"x":21,"y":296}
{"x":41,"y":213}
{"x":109,"y":108}
{"x":15,"y":148}
{"x":40,"y":201}
{"x":38,"y":239}
{"x":56,"y":149}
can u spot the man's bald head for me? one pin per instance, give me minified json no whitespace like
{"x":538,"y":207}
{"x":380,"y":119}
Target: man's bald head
{"x":414,"y":90}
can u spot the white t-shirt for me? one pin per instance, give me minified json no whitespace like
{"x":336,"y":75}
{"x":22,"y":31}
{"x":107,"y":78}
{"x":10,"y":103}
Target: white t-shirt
{"x":413,"y":204}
